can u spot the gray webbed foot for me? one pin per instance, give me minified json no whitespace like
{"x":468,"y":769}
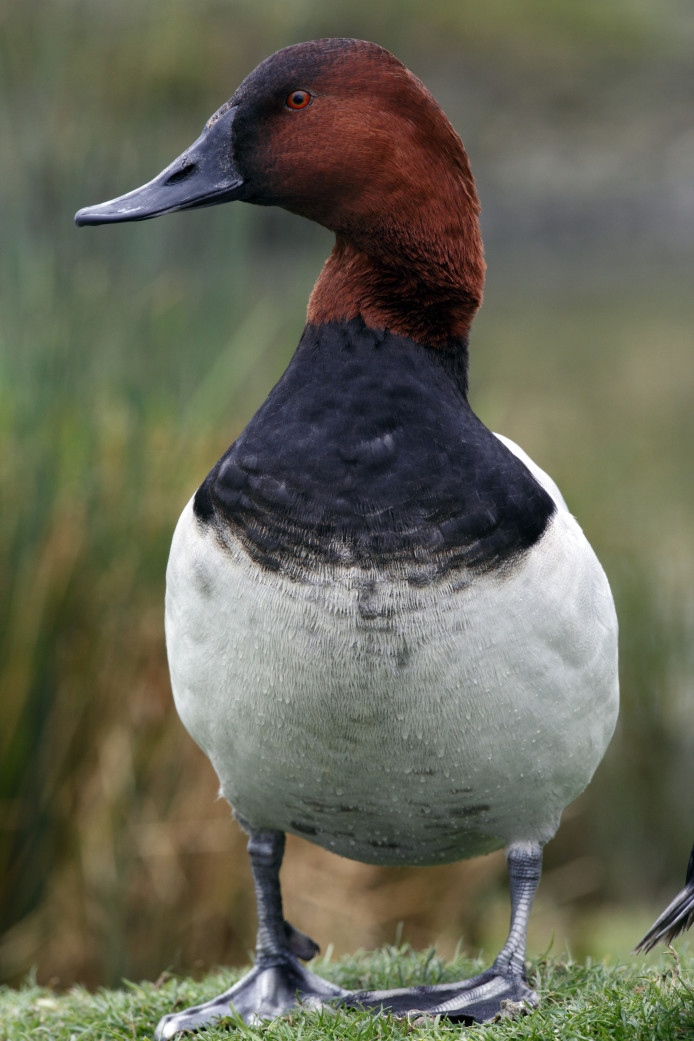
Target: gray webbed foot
{"x":278,"y":982}
{"x":267,"y":991}
{"x":478,"y":999}
{"x":475,"y":1000}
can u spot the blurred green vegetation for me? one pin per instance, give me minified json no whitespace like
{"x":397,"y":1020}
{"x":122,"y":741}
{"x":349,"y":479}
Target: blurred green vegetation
{"x":131,"y":356}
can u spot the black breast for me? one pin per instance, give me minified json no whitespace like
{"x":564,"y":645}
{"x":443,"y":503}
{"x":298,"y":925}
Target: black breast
{"x":366,"y":452}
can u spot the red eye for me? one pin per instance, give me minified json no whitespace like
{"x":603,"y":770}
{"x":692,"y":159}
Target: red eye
{"x":298,"y":99}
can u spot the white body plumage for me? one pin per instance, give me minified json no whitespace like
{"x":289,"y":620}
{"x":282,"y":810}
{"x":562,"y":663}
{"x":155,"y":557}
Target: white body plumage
{"x":389,"y":722}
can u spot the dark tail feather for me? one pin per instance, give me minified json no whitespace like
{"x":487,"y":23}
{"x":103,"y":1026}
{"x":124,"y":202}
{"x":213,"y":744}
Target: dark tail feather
{"x":677,"y":916}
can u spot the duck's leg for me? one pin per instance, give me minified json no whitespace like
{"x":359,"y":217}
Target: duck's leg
{"x":479,"y":998}
{"x":277,"y":982}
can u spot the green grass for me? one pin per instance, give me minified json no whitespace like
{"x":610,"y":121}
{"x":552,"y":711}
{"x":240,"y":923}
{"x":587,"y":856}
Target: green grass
{"x":653,"y":1001}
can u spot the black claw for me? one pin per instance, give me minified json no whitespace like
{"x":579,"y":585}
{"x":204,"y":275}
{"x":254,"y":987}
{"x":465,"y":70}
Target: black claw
{"x":301,"y":945}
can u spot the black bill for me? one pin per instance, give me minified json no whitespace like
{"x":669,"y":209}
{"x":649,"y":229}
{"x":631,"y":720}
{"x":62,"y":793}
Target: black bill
{"x":203,"y":175}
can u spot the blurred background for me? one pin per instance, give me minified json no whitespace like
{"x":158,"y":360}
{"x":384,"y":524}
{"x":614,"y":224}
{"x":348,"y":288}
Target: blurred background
{"x":132,"y":355}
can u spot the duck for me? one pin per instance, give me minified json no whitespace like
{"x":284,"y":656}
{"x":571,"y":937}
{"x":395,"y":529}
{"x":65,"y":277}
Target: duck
{"x":384,"y":627}
{"x":676,"y":918}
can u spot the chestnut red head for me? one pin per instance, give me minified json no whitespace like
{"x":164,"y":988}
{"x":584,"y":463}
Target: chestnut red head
{"x":339,"y":131}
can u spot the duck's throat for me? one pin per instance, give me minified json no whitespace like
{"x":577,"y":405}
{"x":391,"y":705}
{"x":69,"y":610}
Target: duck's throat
{"x":423,"y":298}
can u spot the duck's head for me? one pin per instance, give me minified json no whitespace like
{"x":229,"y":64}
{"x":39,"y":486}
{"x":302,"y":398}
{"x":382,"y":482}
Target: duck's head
{"x":339,"y":131}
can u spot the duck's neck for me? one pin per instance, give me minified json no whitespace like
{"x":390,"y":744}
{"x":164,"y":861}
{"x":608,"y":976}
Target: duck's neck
{"x":422,"y":279}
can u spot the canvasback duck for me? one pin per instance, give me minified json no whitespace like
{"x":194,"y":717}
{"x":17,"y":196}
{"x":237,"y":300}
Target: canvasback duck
{"x":384,"y":627}
{"x":677,"y":916}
